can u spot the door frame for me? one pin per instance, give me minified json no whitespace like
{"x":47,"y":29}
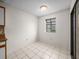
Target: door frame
{"x":73,"y":49}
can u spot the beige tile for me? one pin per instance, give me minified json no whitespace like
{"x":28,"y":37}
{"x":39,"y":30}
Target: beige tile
{"x":38,"y":51}
{"x":41,"y":54}
{"x":36,"y":57}
{"x":30,"y":53}
{"x":20,"y":55}
{"x":54,"y":56}
{"x":46,"y":56}
{"x":25,"y":57}
{"x":62,"y":56}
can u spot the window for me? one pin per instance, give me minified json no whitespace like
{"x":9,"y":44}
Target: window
{"x":51,"y":25}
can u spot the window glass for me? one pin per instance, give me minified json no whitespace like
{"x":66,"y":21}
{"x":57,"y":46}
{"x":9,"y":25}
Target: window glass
{"x":51,"y":25}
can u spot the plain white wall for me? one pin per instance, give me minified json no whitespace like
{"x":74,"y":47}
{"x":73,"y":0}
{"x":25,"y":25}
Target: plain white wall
{"x":60,"y":39}
{"x":20,"y":29}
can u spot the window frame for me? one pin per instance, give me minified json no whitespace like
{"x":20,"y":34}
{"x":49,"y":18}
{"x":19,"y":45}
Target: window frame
{"x":51,"y":25}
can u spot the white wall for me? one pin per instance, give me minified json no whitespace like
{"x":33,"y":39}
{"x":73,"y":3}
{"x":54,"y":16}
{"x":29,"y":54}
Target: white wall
{"x":21,"y":28}
{"x":60,"y":39}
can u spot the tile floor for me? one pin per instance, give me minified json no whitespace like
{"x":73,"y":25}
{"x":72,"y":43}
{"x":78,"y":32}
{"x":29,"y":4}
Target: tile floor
{"x":38,"y":51}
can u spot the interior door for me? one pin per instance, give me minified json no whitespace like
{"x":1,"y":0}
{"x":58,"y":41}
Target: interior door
{"x":73,"y":34}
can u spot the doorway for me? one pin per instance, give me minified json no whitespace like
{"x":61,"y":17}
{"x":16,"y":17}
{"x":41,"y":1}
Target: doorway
{"x":75,"y":31}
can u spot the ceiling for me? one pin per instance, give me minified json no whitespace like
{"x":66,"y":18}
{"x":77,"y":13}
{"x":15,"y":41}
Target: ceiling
{"x":33,"y":6}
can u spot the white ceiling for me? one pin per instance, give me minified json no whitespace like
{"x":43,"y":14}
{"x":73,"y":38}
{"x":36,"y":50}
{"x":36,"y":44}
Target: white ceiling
{"x":33,"y":6}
